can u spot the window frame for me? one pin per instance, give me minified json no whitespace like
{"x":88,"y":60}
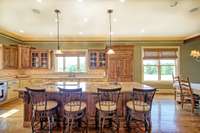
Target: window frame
{"x":78,"y":63}
{"x":177,"y":65}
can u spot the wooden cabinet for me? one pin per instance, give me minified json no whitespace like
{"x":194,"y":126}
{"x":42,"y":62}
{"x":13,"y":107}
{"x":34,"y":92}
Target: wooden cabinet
{"x":24,"y":56}
{"x":97,"y":59}
{"x":10,"y":57}
{"x":120,"y":64}
{"x":11,"y":94}
{"x":40,"y":58}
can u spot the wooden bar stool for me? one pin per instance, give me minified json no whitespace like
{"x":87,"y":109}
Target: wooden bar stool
{"x":74,"y":110}
{"x":43,"y":110}
{"x":106,"y":108}
{"x":139,"y":108}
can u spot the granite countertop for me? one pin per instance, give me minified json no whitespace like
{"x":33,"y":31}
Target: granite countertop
{"x":89,"y":87}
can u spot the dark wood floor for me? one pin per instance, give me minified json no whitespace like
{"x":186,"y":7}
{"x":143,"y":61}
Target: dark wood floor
{"x":167,"y":117}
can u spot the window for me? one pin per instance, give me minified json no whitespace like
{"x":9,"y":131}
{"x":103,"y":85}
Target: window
{"x":159,"y":64}
{"x":71,"y":62}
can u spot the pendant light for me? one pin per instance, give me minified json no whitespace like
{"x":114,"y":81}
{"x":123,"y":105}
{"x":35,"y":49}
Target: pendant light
{"x":58,"y":51}
{"x":110,"y":50}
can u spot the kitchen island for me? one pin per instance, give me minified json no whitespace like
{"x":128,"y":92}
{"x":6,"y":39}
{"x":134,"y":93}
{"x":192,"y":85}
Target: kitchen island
{"x":89,"y":95}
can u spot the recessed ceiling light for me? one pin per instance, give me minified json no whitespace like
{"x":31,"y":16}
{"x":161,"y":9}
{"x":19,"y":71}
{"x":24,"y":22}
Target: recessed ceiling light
{"x":21,"y":31}
{"x":50,"y":33}
{"x":85,"y":20}
{"x":142,"y":31}
{"x":80,"y":0}
{"x":114,"y":20}
{"x":40,"y":1}
{"x":122,"y":1}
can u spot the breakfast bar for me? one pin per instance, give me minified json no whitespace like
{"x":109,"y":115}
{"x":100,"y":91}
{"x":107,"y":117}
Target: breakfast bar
{"x":89,"y":95}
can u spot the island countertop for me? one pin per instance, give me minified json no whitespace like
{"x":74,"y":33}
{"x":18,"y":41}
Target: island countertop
{"x":88,"y":87}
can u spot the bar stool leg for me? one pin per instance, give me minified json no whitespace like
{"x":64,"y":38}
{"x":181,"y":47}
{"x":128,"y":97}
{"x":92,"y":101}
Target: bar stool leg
{"x":33,"y":121}
{"x":49,"y":123}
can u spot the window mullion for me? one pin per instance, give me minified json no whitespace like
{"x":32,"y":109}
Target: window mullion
{"x":64,"y":63}
{"x":78,"y":64}
{"x":159,"y":70}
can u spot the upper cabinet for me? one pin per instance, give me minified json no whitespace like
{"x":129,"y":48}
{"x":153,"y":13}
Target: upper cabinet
{"x":24,"y":56}
{"x":97,"y":59}
{"x":40,"y":58}
{"x":10,"y":57}
{"x":120,"y":64}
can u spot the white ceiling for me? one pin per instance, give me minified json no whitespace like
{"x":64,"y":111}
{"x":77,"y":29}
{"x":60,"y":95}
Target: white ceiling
{"x":132,"y":18}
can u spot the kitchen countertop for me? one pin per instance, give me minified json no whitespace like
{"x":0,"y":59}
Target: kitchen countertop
{"x":90,"y":87}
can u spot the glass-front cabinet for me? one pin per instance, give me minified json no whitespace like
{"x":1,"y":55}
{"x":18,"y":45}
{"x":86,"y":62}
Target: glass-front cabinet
{"x":97,"y":59}
{"x":40,"y":58}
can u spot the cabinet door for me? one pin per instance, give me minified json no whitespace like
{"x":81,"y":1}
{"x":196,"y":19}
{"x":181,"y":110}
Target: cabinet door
{"x":13,"y":57}
{"x":6,"y":57}
{"x":40,"y":59}
{"x":44,"y":60}
{"x":10,"y":57}
{"x":25,"y":57}
{"x":120,"y":66}
{"x":97,"y":59}
{"x":12,"y":85}
{"x":124,"y":69}
{"x":35,"y":59}
{"x":112,"y":69}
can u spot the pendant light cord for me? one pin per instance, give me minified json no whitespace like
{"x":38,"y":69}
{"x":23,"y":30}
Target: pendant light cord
{"x":58,"y":28}
{"x":110,"y":18}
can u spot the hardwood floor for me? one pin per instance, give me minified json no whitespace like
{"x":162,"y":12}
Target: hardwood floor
{"x":167,"y":117}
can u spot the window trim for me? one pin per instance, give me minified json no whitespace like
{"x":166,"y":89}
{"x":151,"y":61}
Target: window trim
{"x":177,"y":66}
{"x":86,"y":63}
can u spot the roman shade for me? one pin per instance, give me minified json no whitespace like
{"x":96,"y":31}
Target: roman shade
{"x":160,"y":53}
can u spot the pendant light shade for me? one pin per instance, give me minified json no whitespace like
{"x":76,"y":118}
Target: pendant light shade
{"x":110,"y":50}
{"x":58,"y":51}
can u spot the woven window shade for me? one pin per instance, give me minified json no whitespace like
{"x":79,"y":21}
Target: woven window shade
{"x":160,"y":53}
{"x":71,"y":53}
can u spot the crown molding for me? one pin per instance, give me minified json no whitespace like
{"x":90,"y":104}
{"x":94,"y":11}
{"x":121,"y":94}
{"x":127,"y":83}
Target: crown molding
{"x":192,"y":38}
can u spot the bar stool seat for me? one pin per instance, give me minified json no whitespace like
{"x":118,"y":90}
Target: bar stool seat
{"x":50,"y":106}
{"x":74,"y":106}
{"x":138,"y":106}
{"x":106,"y":106}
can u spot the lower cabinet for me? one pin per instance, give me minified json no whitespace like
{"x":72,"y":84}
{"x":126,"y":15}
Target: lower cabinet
{"x":24,"y":83}
{"x":11,"y":94}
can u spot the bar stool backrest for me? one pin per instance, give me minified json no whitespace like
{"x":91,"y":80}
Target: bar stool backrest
{"x":72,"y":97}
{"x":108,"y":98}
{"x":38,"y":98}
{"x":142,"y":99}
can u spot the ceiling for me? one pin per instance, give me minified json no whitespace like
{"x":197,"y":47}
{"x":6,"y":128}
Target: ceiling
{"x":89,"y":18}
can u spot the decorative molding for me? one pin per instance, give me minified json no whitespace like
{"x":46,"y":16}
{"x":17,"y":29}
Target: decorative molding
{"x":192,"y":38}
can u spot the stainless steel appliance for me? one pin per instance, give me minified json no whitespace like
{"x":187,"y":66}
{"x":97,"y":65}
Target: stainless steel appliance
{"x":3,"y":90}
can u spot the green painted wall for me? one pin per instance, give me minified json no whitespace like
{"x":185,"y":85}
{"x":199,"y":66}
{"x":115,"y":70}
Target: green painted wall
{"x":189,"y":66}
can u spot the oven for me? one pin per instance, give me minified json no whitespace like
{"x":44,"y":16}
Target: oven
{"x":3,"y":90}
